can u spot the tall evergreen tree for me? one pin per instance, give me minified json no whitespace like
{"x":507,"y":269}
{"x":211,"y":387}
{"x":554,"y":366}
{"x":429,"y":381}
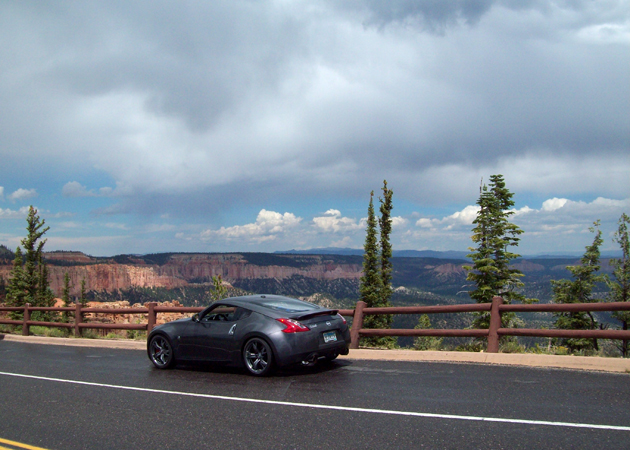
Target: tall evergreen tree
{"x":494,"y":234}
{"x":385,"y":224}
{"x":580,"y":290}
{"x":29,"y":276}
{"x":33,"y":249}
{"x":17,"y":288}
{"x":620,"y":286}
{"x":375,"y":286}
{"x":371,"y":281}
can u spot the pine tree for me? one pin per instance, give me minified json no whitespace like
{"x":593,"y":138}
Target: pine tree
{"x":426,"y":342}
{"x":32,"y":255}
{"x":45,"y":295}
{"x":29,"y":276}
{"x":620,"y":287}
{"x":579,"y":290}
{"x":494,"y":234}
{"x":219,"y":292}
{"x":17,"y":288}
{"x":385,"y":224}
{"x":371,"y":280}
{"x":375,"y":286}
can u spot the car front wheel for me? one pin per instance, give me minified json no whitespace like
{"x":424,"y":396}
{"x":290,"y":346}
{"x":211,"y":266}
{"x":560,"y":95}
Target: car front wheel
{"x":258,"y":357}
{"x":161,"y":352}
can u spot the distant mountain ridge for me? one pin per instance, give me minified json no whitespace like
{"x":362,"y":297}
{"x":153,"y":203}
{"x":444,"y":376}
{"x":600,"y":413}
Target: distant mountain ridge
{"x":450,"y":254}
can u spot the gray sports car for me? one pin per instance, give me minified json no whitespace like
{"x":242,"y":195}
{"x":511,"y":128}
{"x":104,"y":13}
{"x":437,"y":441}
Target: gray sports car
{"x":259,"y":332}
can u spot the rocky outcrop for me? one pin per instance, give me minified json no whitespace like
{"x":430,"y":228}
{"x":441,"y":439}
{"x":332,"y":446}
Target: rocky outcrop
{"x":447,"y":271}
{"x":109,"y":278}
{"x":528,"y":266}
{"x":233,"y":267}
{"x":131,"y":318}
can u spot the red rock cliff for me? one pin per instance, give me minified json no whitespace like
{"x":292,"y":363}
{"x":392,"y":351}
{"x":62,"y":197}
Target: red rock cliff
{"x":179,"y":270}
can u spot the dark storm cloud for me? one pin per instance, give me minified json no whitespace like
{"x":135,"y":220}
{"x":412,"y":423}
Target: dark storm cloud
{"x":192,"y":60}
{"x":183,"y":103}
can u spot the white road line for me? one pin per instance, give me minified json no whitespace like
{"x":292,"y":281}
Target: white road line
{"x":329,"y":407}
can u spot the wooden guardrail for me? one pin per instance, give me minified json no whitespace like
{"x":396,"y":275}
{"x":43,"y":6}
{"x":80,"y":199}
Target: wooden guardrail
{"x":496,"y":308}
{"x":151,"y":311}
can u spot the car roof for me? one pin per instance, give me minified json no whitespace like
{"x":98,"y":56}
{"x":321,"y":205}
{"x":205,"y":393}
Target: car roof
{"x":257,"y":303}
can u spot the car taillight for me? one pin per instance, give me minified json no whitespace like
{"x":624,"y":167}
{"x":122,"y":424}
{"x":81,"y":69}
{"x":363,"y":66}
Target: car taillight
{"x":342,"y":318}
{"x":293,"y":326}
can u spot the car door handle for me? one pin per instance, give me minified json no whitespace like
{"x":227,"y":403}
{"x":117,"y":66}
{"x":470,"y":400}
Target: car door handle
{"x":231,"y":333}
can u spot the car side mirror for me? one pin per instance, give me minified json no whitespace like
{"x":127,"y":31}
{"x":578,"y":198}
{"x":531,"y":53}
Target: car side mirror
{"x":195,"y":317}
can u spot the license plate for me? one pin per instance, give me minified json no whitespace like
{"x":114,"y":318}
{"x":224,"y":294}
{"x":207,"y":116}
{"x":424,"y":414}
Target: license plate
{"x":330,"y":336}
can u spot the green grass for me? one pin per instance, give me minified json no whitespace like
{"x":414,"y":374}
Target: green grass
{"x":50,"y":331}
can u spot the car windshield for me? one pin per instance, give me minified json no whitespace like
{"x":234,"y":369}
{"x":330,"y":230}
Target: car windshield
{"x":288,"y":305}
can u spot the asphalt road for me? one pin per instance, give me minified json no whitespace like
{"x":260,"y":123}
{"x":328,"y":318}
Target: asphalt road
{"x":59,"y":397}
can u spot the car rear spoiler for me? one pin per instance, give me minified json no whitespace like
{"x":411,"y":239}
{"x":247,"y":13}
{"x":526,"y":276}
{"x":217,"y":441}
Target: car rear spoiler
{"x":328,"y":312}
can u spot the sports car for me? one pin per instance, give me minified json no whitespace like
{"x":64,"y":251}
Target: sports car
{"x":257,"y":332}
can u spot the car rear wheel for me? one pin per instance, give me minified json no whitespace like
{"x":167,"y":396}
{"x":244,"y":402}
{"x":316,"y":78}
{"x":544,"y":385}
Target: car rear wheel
{"x":258,"y":357}
{"x":161,"y":352}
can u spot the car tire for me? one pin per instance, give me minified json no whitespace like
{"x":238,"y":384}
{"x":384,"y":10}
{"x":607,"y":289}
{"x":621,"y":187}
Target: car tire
{"x":161,"y":352}
{"x":258,"y":357}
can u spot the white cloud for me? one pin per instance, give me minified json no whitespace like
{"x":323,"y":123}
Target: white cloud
{"x":1,"y":192}
{"x":523,"y":210}
{"x":554,"y":203}
{"x":569,"y":213}
{"x":22,"y":194}
{"x":11,"y":214}
{"x":333,"y":222}
{"x":268,"y":225}
{"x":426,"y":223}
{"x":465,"y":216}
{"x":399,"y":222}
{"x":545,"y":228}
{"x":457,"y":219}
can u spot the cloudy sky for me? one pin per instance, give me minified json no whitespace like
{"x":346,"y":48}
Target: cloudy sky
{"x":153,"y":126}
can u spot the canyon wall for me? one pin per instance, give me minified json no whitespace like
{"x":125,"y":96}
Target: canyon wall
{"x":181,"y":270}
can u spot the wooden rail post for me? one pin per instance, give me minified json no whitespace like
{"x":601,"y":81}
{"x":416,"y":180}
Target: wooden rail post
{"x":495,"y":324}
{"x":78,"y":318}
{"x":357,"y":324}
{"x":151,"y":317}
{"x":26,"y":317}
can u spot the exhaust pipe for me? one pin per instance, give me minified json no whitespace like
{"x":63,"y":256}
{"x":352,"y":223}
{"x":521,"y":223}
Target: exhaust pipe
{"x":310,"y":360}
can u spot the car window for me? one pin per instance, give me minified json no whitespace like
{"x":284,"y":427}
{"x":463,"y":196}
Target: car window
{"x":222,"y":313}
{"x":242,"y":313}
{"x":226,"y":313}
{"x":288,"y":305}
